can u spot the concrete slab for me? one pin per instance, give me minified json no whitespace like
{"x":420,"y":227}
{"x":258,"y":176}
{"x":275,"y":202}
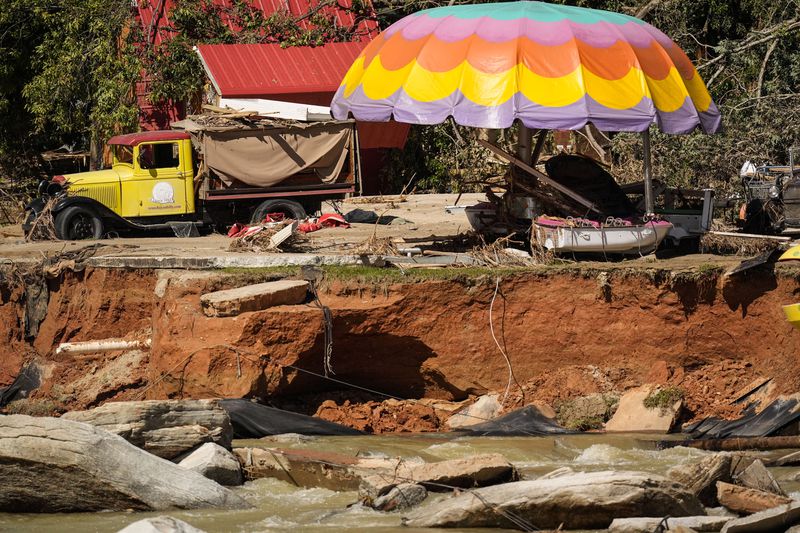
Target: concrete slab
{"x":232,"y":302}
{"x":233,"y":261}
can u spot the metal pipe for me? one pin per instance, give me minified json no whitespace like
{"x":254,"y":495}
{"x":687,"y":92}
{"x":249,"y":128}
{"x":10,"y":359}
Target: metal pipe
{"x":105,"y":345}
{"x":649,"y":200}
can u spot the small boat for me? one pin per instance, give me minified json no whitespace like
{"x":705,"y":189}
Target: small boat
{"x":615,"y":236}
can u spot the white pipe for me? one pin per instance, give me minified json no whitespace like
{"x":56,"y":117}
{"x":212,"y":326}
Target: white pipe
{"x":104,"y":345}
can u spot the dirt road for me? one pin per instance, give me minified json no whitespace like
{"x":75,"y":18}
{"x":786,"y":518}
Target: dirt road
{"x":420,"y":215}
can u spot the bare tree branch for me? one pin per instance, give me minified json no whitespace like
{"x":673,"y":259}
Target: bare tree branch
{"x":760,"y":84}
{"x":769,"y":34}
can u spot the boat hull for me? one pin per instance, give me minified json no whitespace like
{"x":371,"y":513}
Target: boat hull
{"x":634,"y":239}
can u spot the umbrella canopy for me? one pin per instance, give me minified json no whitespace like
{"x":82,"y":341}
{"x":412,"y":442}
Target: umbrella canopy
{"x":550,"y":66}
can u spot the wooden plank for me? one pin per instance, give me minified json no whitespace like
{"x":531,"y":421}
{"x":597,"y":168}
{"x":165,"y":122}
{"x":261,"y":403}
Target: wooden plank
{"x":544,"y":178}
{"x":751,"y":236}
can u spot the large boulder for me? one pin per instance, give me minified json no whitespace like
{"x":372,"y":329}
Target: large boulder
{"x":633,"y":415}
{"x":214,"y":462}
{"x":160,"y":524}
{"x":403,"y":496}
{"x":701,"y":477}
{"x":579,"y":501}
{"x":166,"y":428}
{"x":587,"y":412}
{"x":485,"y":408}
{"x":56,"y":465}
{"x":747,"y":501}
{"x":441,"y":476}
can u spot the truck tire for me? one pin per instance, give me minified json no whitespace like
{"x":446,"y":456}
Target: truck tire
{"x":76,"y":223}
{"x":289,"y":208}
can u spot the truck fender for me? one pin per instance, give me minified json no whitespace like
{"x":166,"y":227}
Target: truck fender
{"x":109,"y":216}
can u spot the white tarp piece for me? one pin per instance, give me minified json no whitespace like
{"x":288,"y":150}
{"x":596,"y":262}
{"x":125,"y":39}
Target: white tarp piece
{"x":276,"y":109}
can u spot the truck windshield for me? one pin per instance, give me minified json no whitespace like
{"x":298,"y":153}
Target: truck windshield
{"x":123,"y":154}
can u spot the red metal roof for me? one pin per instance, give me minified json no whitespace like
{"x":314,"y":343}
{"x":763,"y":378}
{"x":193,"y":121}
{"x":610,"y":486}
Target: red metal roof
{"x":261,"y":70}
{"x":156,"y":23}
{"x":133,"y":139}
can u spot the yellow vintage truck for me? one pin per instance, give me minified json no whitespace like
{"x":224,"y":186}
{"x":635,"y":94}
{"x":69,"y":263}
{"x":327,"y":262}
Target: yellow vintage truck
{"x":201,"y":176}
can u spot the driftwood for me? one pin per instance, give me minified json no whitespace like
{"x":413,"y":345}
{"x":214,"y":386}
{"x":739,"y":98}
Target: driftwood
{"x":734,"y":444}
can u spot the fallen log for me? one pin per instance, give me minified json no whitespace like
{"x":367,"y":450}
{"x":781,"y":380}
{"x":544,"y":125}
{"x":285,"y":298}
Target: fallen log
{"x":734,"y":444}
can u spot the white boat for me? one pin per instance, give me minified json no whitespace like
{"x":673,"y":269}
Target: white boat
{"x":579,"y":235}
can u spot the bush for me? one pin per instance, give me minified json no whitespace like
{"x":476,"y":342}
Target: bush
{"x":664,"y":398}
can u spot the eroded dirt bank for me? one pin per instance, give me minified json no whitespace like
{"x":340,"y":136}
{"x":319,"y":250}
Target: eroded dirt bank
{"x":567,"y":332}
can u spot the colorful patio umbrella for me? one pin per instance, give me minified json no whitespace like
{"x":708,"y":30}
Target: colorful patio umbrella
{"x":550,"y":66}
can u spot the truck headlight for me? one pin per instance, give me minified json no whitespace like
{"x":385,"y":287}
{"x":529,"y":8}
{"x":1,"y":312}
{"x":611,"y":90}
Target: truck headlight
{"x":774,"y":192}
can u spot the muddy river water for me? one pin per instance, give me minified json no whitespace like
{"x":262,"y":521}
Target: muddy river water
{"x":279,"y":506}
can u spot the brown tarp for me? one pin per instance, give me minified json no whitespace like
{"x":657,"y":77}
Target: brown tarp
{"x":262,"y":157}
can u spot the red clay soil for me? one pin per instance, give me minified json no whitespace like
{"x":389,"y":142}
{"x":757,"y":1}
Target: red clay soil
{"x":565,"y":335}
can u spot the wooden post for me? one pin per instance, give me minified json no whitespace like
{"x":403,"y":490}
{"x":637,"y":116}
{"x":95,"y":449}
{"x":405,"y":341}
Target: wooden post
{"x":649,"y":200}
{"x":537,"y":150}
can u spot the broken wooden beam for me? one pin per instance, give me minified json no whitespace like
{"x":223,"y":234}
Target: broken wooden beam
{"x":541,"y":176}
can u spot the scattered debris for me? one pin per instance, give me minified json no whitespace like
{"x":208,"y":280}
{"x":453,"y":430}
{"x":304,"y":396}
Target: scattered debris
{"x":730,"y":243}
{"x":267,"y":237}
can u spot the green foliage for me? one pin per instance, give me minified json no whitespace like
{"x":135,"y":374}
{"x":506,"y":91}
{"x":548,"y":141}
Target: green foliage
{"x":586,"y":423}
{"x":84,"y":70}
{"x":664,"y":398}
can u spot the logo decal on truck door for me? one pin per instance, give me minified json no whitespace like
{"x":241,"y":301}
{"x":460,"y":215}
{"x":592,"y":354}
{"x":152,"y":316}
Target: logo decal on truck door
{"x":163,"y":193}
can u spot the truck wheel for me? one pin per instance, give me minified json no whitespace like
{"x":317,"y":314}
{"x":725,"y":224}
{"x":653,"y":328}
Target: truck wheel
{"x":76,"y":223}
{"x":289,"y":208}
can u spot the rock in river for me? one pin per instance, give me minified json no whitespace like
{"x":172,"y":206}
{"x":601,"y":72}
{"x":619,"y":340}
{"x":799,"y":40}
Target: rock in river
{"x":57,"y":465}
{"x":160,"y":524}
{"x":701,"y":477}
{"x":214,"y":462}
{"x":578,"y":501}
{"x":166,"y":428}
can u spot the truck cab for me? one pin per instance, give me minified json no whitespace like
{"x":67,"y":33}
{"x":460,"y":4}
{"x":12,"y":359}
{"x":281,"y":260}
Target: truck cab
{"x":150,"y":180}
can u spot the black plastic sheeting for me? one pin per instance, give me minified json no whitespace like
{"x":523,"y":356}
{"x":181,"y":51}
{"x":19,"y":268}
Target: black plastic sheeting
{"x":524,"y":422}
{"x":252,"y":420}
{"x":586,"y":177}
{"x":770,"y":421}
{"x":28,"y":380}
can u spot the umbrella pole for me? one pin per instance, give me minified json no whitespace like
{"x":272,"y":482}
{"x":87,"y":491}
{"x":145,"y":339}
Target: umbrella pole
{"x":649,"y":201}
{"x":524,"y":143}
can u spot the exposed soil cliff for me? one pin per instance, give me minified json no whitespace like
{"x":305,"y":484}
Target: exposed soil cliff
{"x":566,"y":333}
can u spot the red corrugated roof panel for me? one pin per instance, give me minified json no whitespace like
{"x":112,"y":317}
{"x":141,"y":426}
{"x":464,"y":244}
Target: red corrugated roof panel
{"x":261,"y":70}
{"x":134,"y":139}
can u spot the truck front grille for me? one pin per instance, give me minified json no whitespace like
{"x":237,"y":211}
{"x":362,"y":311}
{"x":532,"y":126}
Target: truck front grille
{"x":105,"y":194}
